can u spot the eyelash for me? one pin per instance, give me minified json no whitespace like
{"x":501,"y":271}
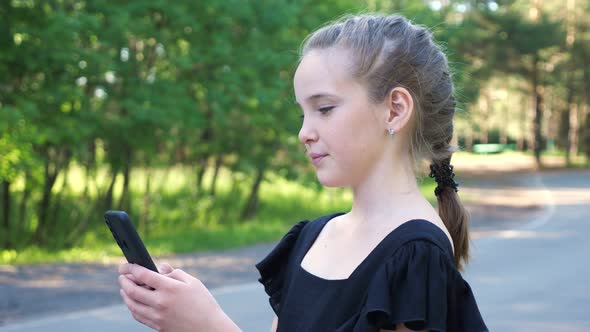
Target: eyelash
{"x":323,"y":110}
{"x":326,"y":109}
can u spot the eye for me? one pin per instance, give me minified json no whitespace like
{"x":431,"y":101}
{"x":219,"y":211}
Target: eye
{"x":326,"y":109}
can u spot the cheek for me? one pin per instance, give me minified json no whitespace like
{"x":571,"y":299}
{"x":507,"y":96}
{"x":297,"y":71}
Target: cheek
{"x":357,"y":139}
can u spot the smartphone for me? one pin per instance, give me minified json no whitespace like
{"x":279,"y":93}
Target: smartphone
{"x":128,"y":239}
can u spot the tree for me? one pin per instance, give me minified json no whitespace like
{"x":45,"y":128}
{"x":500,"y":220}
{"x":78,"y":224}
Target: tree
{"x":520,"y":46}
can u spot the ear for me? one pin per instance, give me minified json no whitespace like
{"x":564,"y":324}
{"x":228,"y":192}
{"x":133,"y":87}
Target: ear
{"x":400,"y":105}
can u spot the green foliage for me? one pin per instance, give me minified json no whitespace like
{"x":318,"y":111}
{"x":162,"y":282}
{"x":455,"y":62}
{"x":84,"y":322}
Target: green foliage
{"x":179,"y":222}
{"x":102,"y":102}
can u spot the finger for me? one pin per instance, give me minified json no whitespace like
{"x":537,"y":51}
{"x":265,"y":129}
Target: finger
{"x":143,"y":275}
{"x":132,"y":278}
{"x":122,"y":267}
{"x":165,"y":268}
{"x":139,"y":311}
{"x":137,"y":282}
{"x":138,"y":293}
{"x":180,"y":275}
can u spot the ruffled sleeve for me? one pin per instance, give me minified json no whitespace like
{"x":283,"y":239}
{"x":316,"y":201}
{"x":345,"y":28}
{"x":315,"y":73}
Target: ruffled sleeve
{"x":420,"y":286}
{"x":274,"y":266}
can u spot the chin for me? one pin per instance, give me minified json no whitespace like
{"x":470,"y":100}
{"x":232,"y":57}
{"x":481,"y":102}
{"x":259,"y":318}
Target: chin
{"x":332,"y":181}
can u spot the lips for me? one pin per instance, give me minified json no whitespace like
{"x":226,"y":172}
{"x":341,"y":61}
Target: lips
{"x":317,"y":157}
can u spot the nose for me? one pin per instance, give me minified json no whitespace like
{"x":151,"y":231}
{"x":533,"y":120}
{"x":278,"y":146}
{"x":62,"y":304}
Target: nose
{"x":307,"y":134}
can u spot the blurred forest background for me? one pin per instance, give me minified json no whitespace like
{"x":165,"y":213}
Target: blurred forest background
{"x":182,"y":112}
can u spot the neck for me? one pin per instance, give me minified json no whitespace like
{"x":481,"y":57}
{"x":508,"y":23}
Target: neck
{"x":388,"y":194}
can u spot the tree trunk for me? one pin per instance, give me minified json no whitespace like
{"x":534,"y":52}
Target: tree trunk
{"x":570,"y":38}
{"x":206,"y":138}
{"x":586,"y":93}
{"x":50,"y":177}
{"x":108,"y":197}
{"x":201,"y":171}
{"x":6,"y":214}
{"x":586,"y":136}
{"x":469,"y":140}
{"x":487,"y":110}
{"x":520,"y":144}
{"x":86,"y":183}
{"x":85,"y":217}
{"x":56,"y":159}
{"x":573,"y":136}
{"x":252,"y":203}
{"x":564,"y":129}
{"x":143,"y":223}
{"x":507,"y":115}
{"x":215,"y":174}
{"x":538,"y":103}
{"x":22,"y":208}
{"x":91,"y":148}
{"x":54,"y":228}
{"x":125,"y":199}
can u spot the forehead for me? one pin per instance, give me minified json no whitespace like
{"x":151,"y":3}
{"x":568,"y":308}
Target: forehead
{"x":323,"y":71}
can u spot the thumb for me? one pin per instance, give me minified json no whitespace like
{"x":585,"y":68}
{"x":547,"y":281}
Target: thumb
{"x":165,"y":268}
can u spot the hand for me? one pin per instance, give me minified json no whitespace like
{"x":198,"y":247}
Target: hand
{"x":176,"y":301}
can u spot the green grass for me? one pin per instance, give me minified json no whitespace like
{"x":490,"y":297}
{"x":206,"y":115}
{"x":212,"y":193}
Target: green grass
{"x":183,"y":221}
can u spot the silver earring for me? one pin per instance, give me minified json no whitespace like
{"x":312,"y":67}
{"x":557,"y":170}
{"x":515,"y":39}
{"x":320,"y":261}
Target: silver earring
{"x":391,"y":132}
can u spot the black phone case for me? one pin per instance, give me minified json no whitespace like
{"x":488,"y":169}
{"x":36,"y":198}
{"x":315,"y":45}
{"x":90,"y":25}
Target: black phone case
{"x":128,"y":240}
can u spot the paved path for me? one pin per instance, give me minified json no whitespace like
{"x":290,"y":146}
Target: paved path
{"x":535,"y":277}
{"x":246,"y":304}
{"x":29,"y":292}
{"x":528,"y":270}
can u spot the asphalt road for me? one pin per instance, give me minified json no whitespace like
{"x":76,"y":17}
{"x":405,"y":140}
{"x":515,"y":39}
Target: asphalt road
{"x":246,"y":304}
{"x":536,"y":277}
{"x":529,"y":267}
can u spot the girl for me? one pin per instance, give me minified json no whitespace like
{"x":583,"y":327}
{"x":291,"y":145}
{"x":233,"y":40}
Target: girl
{"x":377,"y":101}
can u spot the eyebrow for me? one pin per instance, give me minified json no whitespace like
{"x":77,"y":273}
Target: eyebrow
{"x":316,"y":97}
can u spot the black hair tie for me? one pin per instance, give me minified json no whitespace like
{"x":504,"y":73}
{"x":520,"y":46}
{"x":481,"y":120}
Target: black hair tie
{"x":443,"y":174}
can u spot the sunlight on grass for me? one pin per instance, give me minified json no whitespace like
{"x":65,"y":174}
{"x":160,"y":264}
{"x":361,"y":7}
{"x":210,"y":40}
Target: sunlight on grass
{"x":181,"y":220}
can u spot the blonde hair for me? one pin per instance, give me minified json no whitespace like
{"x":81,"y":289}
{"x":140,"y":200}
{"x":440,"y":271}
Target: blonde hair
{"x":389,"y":52}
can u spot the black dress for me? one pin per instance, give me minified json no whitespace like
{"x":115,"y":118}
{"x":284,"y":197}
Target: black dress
{"x":410,"y":277}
